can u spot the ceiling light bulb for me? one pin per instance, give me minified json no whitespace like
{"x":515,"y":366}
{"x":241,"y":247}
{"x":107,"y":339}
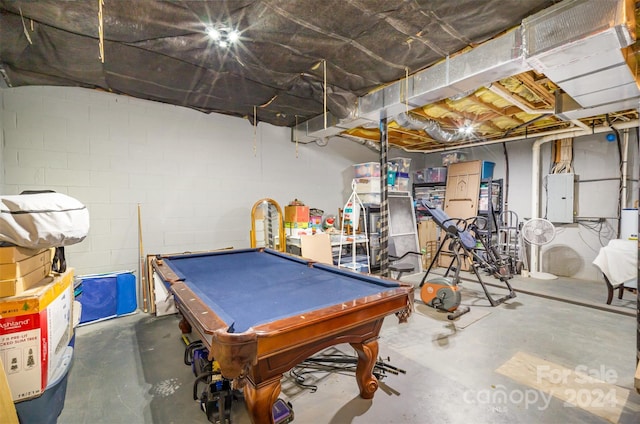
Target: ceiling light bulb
{"x":213,"y":33}
{"x":233,"y":36}
{"x":467,"y":128}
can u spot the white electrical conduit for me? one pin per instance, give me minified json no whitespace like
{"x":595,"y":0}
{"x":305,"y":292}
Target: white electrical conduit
{"x":624,"y":171}
{"x":535,"y":173}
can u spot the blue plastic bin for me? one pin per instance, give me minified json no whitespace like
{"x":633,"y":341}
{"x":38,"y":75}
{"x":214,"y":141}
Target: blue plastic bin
{"x":46,"y":408}
{"x":105,"y":296}
{"x":487,"y":169}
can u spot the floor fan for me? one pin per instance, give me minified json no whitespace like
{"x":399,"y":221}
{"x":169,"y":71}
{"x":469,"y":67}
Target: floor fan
{"x":538,"y":232}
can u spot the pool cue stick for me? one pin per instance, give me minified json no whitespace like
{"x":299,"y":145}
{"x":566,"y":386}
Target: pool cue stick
{"x":143,"y":268}
{"x":152,"y":291}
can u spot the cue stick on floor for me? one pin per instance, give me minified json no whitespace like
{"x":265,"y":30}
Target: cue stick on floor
{"x":143,"y":267}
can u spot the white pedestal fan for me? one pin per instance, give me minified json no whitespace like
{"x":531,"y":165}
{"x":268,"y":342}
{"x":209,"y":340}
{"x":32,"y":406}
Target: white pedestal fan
{"x":538,"y":232}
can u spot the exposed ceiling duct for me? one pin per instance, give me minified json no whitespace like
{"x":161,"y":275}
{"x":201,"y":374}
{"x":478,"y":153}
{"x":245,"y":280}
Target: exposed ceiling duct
{"x":431,"y":127}
{"x":575,"y":44}
{"x":583,"y":47}
{"x":498,"y":58}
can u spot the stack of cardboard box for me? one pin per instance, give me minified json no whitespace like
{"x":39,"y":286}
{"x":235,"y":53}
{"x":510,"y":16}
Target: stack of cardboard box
{"x":296,"y":220}
{"x":22,"y":268}
{"x":36,"y":308}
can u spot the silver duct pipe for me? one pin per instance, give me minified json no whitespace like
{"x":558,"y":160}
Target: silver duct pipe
{"x":432,"y":128}
{"x":372,"y":145}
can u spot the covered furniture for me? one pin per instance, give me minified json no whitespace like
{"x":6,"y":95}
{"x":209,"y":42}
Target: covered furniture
{"x":618,"y":262}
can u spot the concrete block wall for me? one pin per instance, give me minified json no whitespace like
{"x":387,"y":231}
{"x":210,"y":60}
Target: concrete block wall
{"x":194,"y":176}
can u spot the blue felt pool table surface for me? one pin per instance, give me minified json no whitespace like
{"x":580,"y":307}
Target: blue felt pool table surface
{"x":246,"y":288}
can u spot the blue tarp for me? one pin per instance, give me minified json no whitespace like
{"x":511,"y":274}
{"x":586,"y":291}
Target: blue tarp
{"x":105,"y":296}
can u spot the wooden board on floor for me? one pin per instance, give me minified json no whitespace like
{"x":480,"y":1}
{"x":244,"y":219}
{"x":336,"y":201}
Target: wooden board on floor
{"x":7,"y":408}
{"x":583,"y":390}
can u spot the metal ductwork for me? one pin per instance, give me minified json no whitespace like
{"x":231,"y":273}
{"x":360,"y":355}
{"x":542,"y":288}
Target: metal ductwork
{"x":581,"y":45}
{"x":430,"y":126}
{"x":498,"y":58}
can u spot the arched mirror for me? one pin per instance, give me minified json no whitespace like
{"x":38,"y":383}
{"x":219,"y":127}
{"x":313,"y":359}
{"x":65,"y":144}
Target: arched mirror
{"x":267,"y":225}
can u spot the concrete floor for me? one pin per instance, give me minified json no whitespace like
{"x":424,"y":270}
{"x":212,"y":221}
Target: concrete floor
{"x":487,"y":367}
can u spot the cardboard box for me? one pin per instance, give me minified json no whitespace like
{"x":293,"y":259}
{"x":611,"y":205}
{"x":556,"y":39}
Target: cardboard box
{"x":35,"y":329}
{"x":427,"y":231}
{"x":13,"y":270}
{"x":296,"y":214}
{"x":16,"y":286}
{"x":428,"y":240}
{"x":13,"y":254}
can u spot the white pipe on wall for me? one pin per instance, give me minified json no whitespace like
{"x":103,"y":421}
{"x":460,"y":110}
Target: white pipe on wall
{"x":535,"y":172}
{"x":625,"y":169}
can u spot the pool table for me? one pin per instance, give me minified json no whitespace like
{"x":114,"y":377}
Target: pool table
{"x":261,"y":312}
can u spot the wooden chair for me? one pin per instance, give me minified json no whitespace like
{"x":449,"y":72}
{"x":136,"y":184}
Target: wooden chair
{"x":630,"y":285}
{"x":618,"y":263}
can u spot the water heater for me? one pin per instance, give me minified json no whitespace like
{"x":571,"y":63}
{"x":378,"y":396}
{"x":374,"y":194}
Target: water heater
{"x":629,"y":224}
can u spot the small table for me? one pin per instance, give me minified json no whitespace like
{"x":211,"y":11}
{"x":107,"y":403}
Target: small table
{"x":618,"y":261}
{"x":261,"y":312}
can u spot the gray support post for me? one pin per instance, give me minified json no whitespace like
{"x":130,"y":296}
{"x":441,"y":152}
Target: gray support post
{"x":384,"y":200}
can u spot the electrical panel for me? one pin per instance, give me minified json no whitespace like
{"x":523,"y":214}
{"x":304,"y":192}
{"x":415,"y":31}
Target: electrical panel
{"x":561,"y":197}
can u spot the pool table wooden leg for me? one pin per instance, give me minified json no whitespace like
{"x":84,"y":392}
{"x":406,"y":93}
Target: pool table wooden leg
{"x":260,"y":399}
{"x":184,"y":326}
{"x":367,"y":356}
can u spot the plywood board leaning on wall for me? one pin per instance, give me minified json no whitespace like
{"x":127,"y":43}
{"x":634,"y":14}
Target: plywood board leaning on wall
{"x":462,"y":196}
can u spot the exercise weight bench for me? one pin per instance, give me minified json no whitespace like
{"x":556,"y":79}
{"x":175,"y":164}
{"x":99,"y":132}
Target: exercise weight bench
{"x":468,"y":241}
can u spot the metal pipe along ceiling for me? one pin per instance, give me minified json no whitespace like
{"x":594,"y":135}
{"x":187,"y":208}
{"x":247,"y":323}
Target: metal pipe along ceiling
{"x":431,"y":127}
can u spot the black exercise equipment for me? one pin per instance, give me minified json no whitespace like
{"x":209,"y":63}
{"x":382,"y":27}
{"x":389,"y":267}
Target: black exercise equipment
{"x":441,"y":293}
{"x":467,"y":240}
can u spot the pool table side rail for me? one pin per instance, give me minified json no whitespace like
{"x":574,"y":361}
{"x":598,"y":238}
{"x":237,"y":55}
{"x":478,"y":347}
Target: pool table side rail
{"x":313,"y":328}
{"x":329,"y":323}
{"x":287,"y":339}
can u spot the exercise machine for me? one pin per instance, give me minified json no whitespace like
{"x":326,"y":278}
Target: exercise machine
{"x":467,"y":240}
{"x":441,"y":293}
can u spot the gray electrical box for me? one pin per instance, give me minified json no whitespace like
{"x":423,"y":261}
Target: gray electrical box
{"x":561,"y":197}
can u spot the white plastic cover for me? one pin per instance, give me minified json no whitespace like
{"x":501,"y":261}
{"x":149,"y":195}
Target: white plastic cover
{"x":42,"y":220}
